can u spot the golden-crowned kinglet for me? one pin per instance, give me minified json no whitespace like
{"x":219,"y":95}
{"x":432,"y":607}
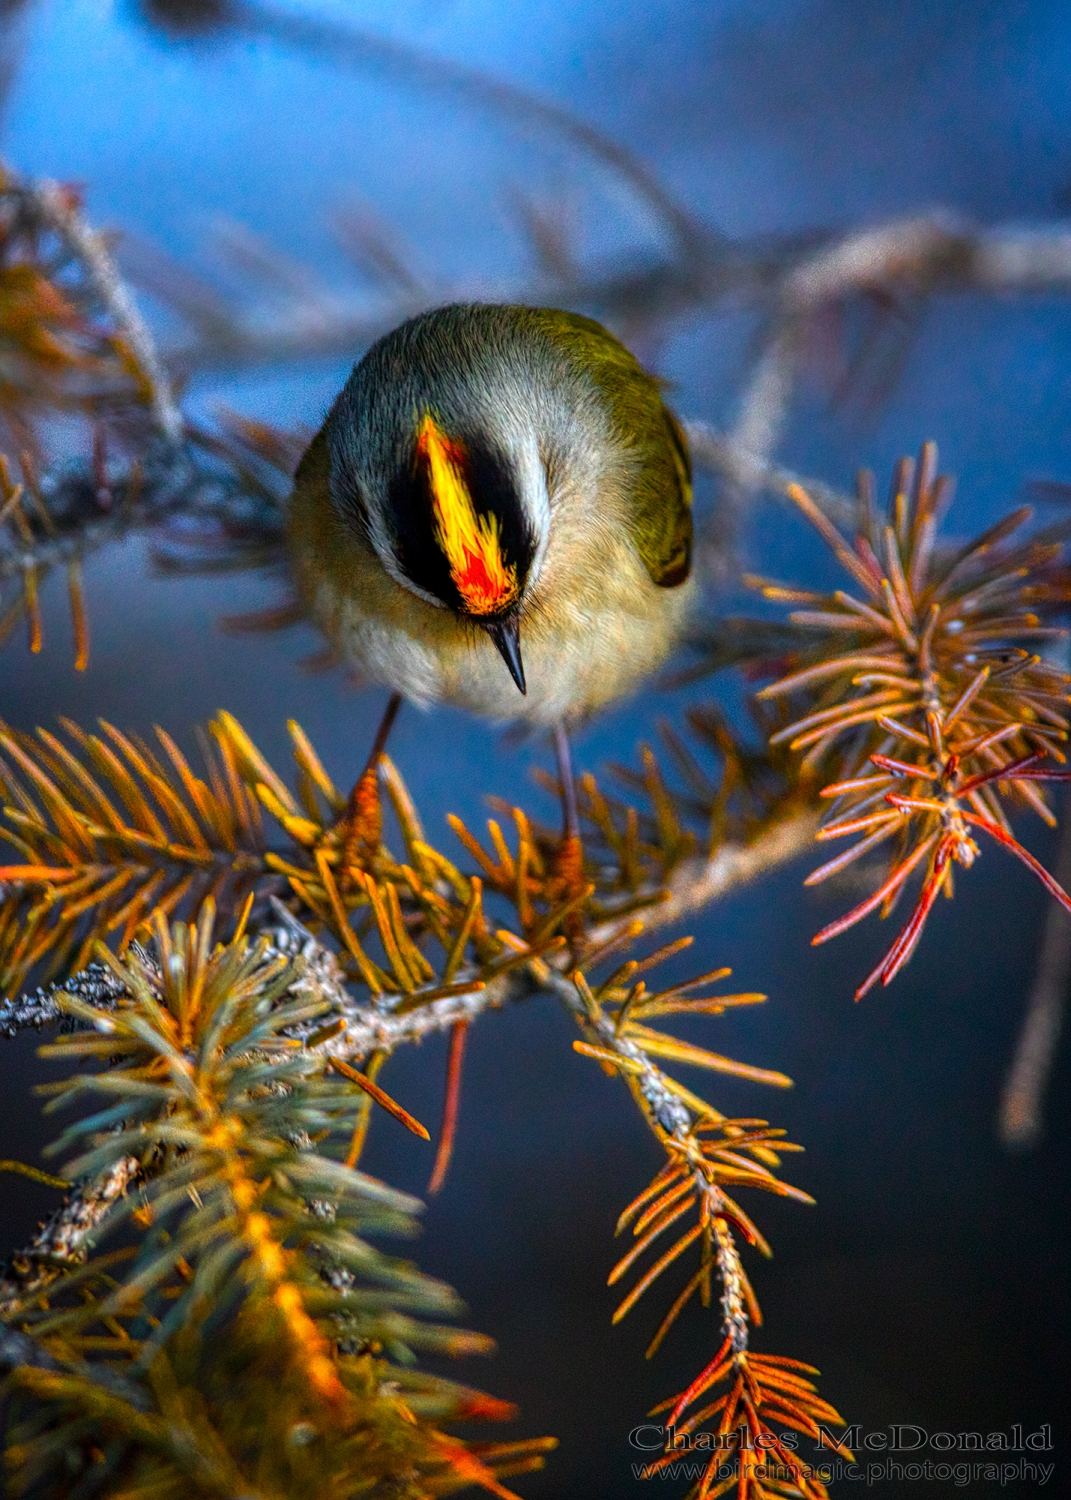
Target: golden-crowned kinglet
{"x":497,"y":514}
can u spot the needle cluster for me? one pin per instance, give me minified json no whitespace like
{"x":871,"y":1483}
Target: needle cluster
{"x":251,"y":1339}
{"x":64,"y":349}
{"x":927,"y":705}
{"x":115,"y":834}
{"x":761,"y":1395}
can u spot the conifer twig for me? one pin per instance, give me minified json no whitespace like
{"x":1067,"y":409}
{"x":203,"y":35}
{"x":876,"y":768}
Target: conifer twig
{"x":63,"y":1240}
{"x":59,"y":214}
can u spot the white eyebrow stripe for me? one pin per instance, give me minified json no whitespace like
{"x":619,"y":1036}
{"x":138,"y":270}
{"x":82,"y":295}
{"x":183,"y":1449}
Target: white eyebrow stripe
{"x":532,"y":489}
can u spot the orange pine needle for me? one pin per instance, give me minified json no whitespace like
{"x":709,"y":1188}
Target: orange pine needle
{"x":78,"y":615}
{"x":383,"y":1099}
{"x":458,"y":1032}
{"x":33,"y":608}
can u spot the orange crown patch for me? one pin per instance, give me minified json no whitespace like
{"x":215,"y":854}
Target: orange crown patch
{"x":471,"y":543}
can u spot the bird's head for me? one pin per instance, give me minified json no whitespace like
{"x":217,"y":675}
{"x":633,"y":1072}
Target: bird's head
{"x":437,"y":460}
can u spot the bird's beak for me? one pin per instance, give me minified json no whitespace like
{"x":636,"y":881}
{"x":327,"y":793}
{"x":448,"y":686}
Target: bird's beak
{"x":506,"y":634}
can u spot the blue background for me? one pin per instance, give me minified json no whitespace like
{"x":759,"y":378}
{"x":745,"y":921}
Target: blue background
{"x":929,"y":1283}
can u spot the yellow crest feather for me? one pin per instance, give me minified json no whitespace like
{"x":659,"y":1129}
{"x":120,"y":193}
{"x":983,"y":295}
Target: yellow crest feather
{"x":471,"y":543}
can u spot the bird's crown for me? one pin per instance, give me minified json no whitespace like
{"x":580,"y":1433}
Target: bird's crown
{"x":471,"y":541}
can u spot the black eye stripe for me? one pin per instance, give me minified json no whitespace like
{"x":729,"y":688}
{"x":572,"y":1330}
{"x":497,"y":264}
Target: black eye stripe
{"x":409,"y":504}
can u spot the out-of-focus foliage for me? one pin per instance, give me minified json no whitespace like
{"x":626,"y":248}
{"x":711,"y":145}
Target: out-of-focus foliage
{"x":63,"y":350}
{"x":73,"y":350}
{"x":237,"y":1347}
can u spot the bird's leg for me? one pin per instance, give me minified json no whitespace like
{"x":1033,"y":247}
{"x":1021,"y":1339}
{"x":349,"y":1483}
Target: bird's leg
{"x":386,"y":724}
{"x":362,"y":822}
{"x":569,"y":861}
{"x":571,"y":828}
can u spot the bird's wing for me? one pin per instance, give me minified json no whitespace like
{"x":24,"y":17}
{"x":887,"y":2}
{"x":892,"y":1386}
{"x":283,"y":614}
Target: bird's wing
{"x":662,"y":526}
{"x":659,"y":510}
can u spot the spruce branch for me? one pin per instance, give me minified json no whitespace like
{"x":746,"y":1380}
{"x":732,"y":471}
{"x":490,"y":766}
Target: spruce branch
{"x":374,"y":1030}
{"x":251,"y":1258}
{"x":922,"y":704}
{"x":384,"y":913}
{"x":708,"y":1155}
{"x":213,"y":504}
{"x":112,"y":818}
{"x":72,"y":334}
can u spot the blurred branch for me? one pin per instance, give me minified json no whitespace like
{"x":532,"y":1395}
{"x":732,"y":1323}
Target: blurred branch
{"x":725,"y":455}
{"x":43,"y":237}
{"x":357,"y":47}
{"x":212,"y":488}
{"x":64,"y":1239}
{"x":1021,"y":1120}
{"x":926,"y":254}
{"x":918,"y":256}
{"x":787,"y":282}
{"x":60,"y":214}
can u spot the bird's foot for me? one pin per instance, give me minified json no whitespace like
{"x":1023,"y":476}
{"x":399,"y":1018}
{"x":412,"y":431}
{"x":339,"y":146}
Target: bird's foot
{"x":567,"y":884}
{"x":362,"y":823}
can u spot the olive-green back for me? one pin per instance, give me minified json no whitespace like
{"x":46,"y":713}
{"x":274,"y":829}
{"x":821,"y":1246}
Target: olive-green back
{"x":662,"y":515}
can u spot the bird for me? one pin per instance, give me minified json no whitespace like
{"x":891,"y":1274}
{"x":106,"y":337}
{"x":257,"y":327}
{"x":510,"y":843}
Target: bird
{"x":497,"y":514}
